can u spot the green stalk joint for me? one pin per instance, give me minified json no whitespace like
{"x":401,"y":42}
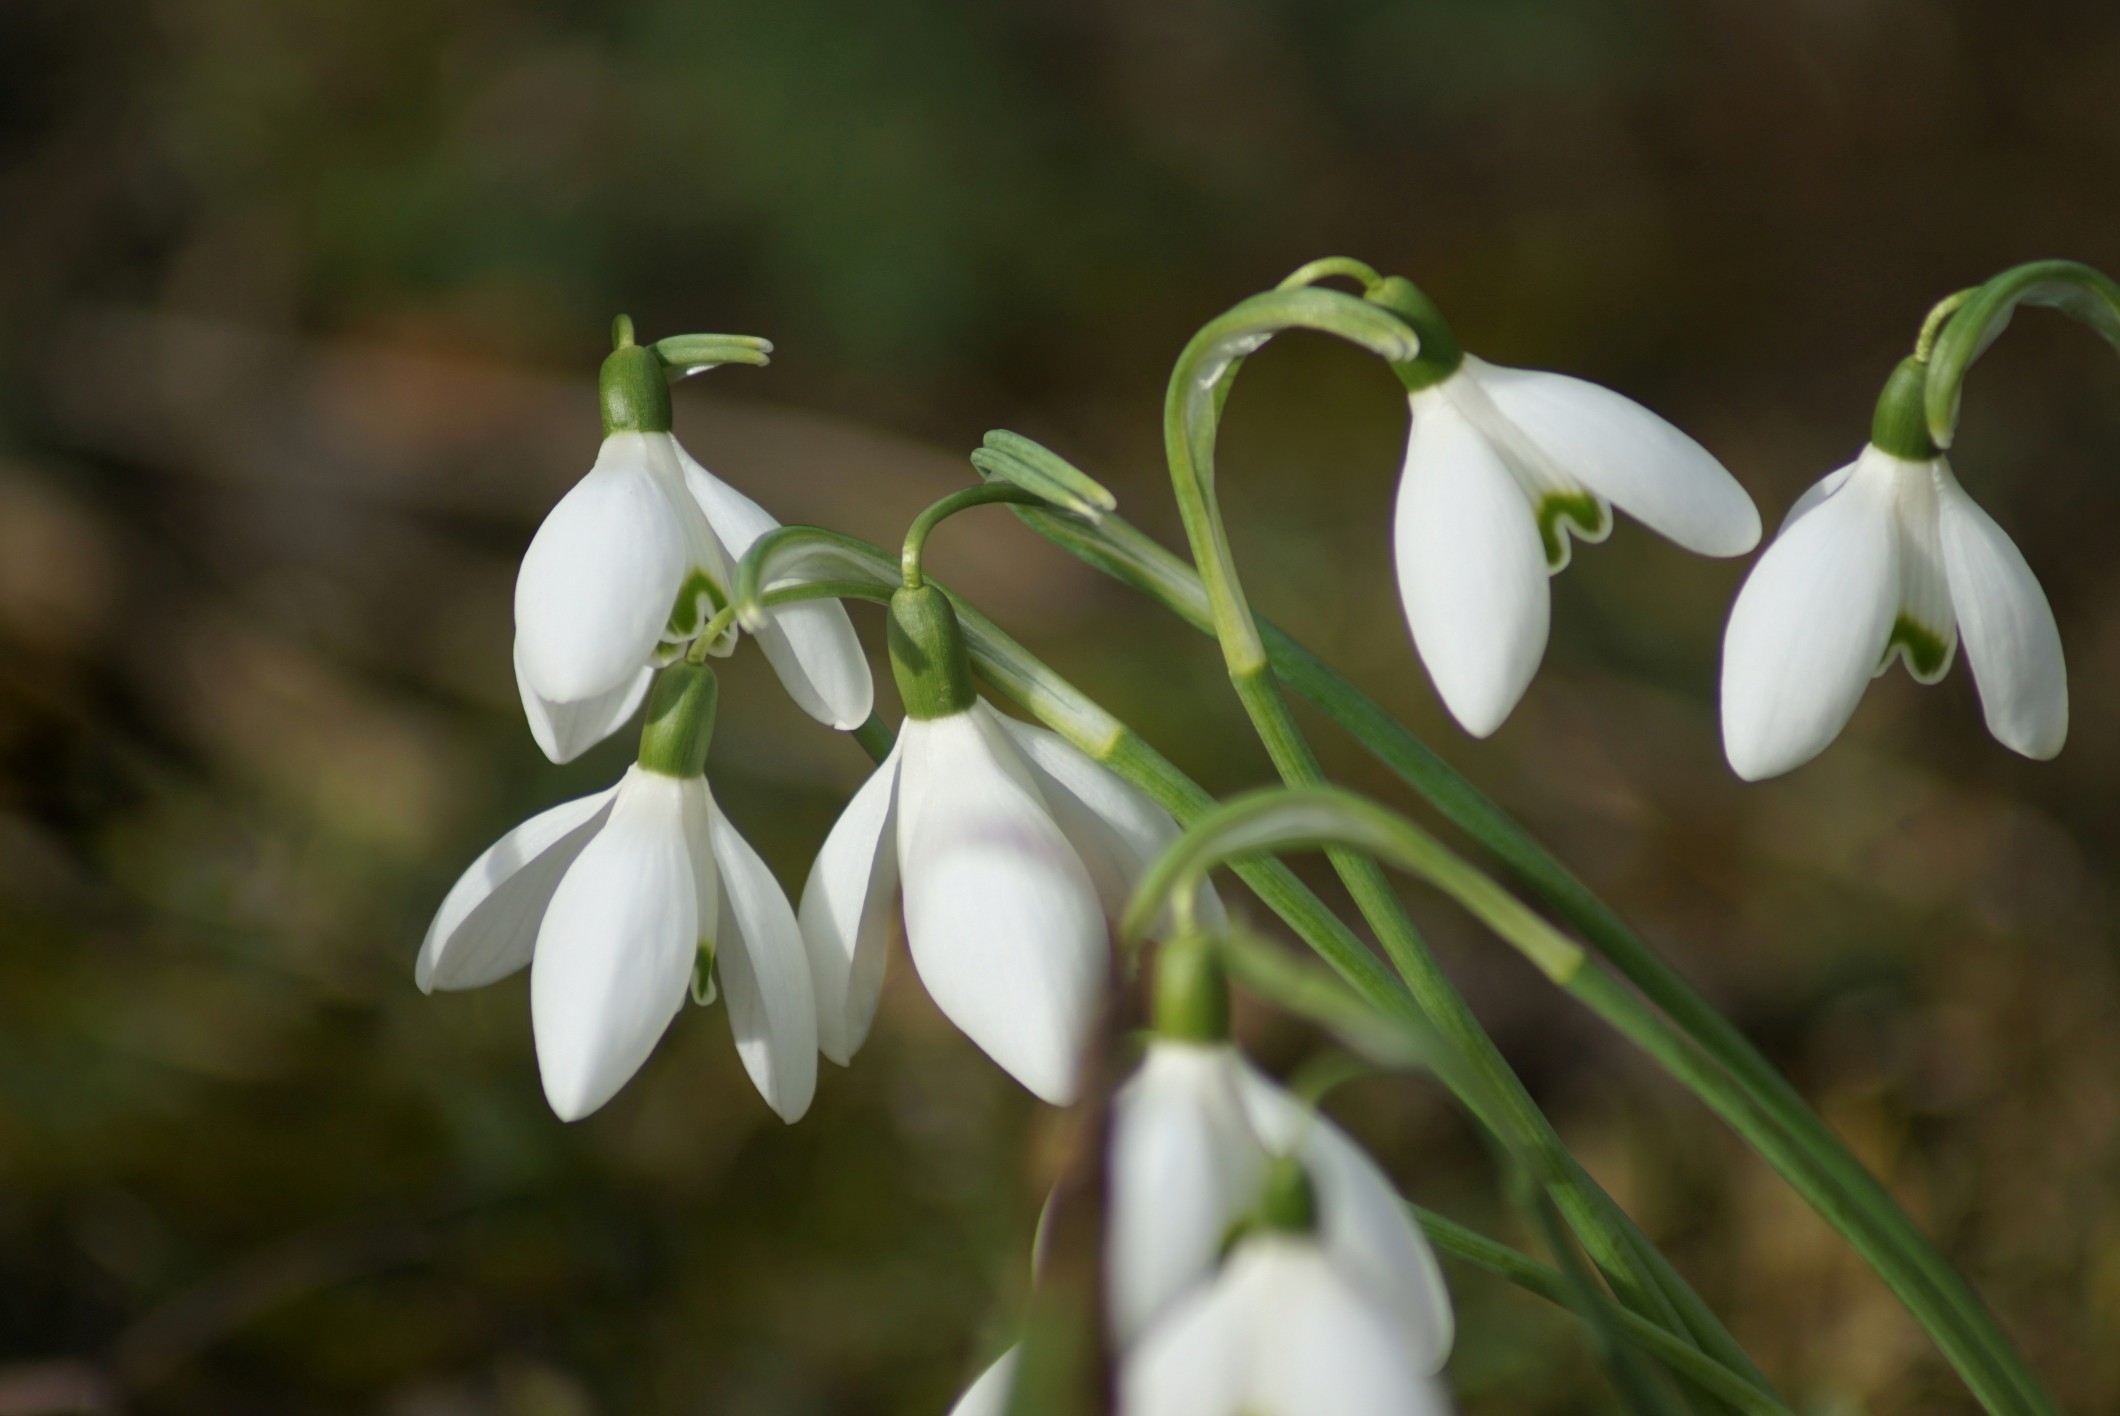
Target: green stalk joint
{"x":680,"y":722}
{"x":632,"y":388}
{"x":1192,"y":993}
{"x":1901,"y":425}
{"x":1441,"y":354}
{"x":928,"y":657}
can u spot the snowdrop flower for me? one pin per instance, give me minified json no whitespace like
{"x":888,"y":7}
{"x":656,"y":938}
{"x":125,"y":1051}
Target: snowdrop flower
{"x":634,"y":561}
{"x":1193,"y":1134}
{"x":1504,"y":467}
{"x":1886,"y":559}
{"x":1286,"y":1328}
{"x":1010,"y":848}
{"x":621,"y":901}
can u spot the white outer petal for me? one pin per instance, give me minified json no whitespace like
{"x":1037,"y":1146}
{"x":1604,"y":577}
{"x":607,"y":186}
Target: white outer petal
{"x":1185,"y":1164}
{"x":1319,"y":1346}
{"x":1628,"y":455}
{"x":764,"y":974}
{"x":1472,"y":571}
{"x":811,"y":645}
{"x":487,"y":923}
{"x":847,"y":907}
{"x":1809,"y":628}
{"x":1112,"y":824}
{"x":614,"y":956}
{"x":1364,"y":1224}
{"x":564,"y":731}
{"x":596,"y":585}
{"x":1000,"y":915}
{"x":2010,"y":636}
{"x":988,"y":1396}
{"x":1196,"y":1361}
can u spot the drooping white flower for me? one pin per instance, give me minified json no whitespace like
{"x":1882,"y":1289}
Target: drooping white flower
{"x":1010,"y":849}
{"x":630,"y":565}
{"x":1885,"y":559}
{"x":1193,"y":1133}
{"x":1503,"y":468}
{"x":1284,"y":1329}
{"x":614,"y":900}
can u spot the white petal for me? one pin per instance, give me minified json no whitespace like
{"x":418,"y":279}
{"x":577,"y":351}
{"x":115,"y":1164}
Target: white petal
{"x":1626,"y":454}
{"x":811,"y":645}
{"x":1194,"y":1362}
{"x":1319,"y":1347}
{"x":1810,"y":627}
{"x":567,"y":730}
{"x":2010,"y":636}
{"x":989,"y":1395}
{"x":1472,"y":571}
{"x":614,"y":957}
{"x":1112,"y":824}
{"x":597,"y":582}
{"x":1364,"y":1225}
{"x":1001,"y":917}
{"x":488,"y":921}
{"x":847,"y":908}
{"x":758,"y":952}
{"x":1185,"y":1165}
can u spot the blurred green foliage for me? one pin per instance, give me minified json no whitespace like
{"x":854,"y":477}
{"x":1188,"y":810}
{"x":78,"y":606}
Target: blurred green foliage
{"x":300,"y":305}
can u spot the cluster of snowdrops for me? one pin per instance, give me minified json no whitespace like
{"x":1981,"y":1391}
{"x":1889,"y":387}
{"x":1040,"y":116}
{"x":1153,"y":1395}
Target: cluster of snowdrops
{"x":1248,"y":1255}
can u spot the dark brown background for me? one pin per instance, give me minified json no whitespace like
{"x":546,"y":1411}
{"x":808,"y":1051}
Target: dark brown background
{"x":300,"y":306}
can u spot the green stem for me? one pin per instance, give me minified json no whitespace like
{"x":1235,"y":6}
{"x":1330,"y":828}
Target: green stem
{"x":1533,"y":1277}
{"x":1323,"y":817}
{"x":1192,"y":407}
{"x":986,"y":494}
{"x":1125,"y":553}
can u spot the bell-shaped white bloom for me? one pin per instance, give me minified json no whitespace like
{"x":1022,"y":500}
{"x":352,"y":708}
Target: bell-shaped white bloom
{"x":634,"y":560}
{"x":1193,"y":1132}
{"x":1010,"y":849}
{"x":1503,"y":468}
{"x":1285,"y":1329}
{"x":1886,"y":558}
{"x":988,"y":1396}
{"x":611,"y":901}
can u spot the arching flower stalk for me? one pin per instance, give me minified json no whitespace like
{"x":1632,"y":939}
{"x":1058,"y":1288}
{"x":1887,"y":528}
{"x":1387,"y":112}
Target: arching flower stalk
{"x":635,"y":561}
{"x":623,"y":901}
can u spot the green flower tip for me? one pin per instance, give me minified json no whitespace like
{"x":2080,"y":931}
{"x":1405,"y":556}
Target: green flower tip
{"x":1901,"y":424}
{"x":928,"y":657}
{"x":632,"y":388}
{"x":680,"y":722}
{"x":1288,"y":1205}
{"x":1192,"y":994}
{"x":1441,"y":354}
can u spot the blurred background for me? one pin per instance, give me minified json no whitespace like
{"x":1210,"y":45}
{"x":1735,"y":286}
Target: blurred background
{"x":301,"y":306}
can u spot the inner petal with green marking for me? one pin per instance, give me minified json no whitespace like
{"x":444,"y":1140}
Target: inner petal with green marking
{"x":1562,"y":514}
{"x":698,"y":600}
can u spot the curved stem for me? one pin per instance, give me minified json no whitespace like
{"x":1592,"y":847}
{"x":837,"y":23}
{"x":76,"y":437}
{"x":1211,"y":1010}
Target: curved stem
{"x":1191,"y":410}
{"x":987,"y":494}
{"x":1329,"y":267}
{"x":1943,"y":309}
{"x":1125,"y":553}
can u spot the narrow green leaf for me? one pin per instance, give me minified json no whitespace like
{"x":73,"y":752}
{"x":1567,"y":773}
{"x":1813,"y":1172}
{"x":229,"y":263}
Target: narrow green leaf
{"x":687,"y":354}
